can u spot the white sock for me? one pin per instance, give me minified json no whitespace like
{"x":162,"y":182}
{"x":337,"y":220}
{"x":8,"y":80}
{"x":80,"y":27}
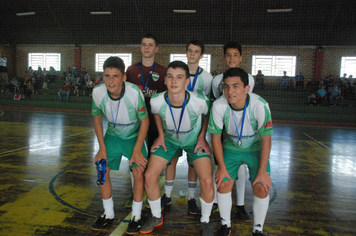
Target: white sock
{"x":215,"y":168}
{"x":205,"y":210}
{"x":191,"y":189}
{"x":259,"y":207}
{"x":155,"y":207}
{"x":240,"y":185}
{"x":225,"y":204}
{"x":136,"y":210}
{"x":168,"y":187}
{"x":132,"y":180}
{"x":108,"y":205}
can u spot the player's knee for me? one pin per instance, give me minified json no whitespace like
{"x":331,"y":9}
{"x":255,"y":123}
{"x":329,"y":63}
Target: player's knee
{"x":207,"y":183}
{"x":259,"y":191}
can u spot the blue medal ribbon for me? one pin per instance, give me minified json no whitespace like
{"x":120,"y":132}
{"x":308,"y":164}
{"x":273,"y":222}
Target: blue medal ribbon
{"x":190,"y":87}
{"x":181,"y":114}
{"x":144,"y":85}
{"x":118,"y":106}
{"x":239,"y":136}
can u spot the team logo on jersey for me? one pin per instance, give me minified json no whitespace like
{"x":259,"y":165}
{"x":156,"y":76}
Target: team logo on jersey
{"x":268,"y":125}
{"x":142,"y":109}
{"x":155,"y":76}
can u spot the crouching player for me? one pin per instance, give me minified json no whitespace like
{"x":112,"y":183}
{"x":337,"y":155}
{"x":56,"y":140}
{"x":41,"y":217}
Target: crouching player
{"x":247,"y":124}
{"x":123,"y":104}
{"x":179,"y":117}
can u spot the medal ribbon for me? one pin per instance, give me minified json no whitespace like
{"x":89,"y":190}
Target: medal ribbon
{"x":118,"y":106}
{"x":144,"y":85}
{"x":239,"y":136}
{"x":190,"y":87}
{"x":181,"y":114}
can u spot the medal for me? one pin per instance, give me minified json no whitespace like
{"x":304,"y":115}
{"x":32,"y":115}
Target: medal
{"x":144,"y":85}
{"x":239,"y":142}
{"x":181,"y":114}
{"x":177,"y":135}
{"x":118,"y":106}
{"x":239,"y":135}
{"x":144,"y":91}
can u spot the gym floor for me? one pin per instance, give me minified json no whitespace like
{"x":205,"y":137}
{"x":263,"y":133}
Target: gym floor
{"x":49,"y":181}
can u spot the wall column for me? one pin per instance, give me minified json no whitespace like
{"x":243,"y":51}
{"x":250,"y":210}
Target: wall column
{"x":78,"y":59}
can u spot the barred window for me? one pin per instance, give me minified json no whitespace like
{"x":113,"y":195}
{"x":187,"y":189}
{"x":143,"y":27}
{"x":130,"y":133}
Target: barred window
{"x":44,"y":60}
{"x":348,"y":66}
{"x":204,"y":63}
{"x":101,"y":57}
{"x":274,"y":65}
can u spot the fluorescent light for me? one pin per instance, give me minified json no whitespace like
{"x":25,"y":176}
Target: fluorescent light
{"x":26,"y":13}
{"x":100,"y":12}
{"x":184,"y":11}
{"x":279,"y":10}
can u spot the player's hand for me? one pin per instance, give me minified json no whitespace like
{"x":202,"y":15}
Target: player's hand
{"x":101,"y":155}
{"x":159,"y":142}
{"x":203,"y":144}
{"x":220,"y":174}
{"x":138,"y":158}
{"x":264,"y":179}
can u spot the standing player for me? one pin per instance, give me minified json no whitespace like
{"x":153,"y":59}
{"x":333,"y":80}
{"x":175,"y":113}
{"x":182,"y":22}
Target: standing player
{"x":233,"y":57}
{"x":200,"y":82}
{"x":245,"y":121}
{"x":148,"y":75}
{"x":123,"y":105}
{"x":179,"y":117}
{"x":3,"y":68}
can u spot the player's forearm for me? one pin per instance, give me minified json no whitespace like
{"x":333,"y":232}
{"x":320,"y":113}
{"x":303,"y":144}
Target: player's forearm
{"x":265,"y":152}
{"x":159,"y":124}
{"x":98,"y":127}
{"x":145,"y":122}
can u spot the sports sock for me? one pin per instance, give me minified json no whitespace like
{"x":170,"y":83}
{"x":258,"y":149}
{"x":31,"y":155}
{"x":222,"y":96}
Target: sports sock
{"x":240,"y":186}
{"x":155,"y":207}
{"x":168,"y":187}
{"x":260,"y":207}
{"x":136,"y":210}
{"x":191,"y":189}
{"x":108,"y":205}
{"x":225,"y":204}
{"x":205,"y":210}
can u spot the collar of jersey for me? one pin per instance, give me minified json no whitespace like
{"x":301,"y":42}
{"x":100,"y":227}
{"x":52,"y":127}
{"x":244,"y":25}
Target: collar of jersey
{"x":166,"y":95}
{"x":121,"y":95}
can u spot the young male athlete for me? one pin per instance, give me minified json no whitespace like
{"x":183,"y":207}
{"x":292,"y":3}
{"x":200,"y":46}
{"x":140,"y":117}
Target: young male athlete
{"x":179,"y":117}
{"x":244,"y":120}
{"x":233,"y":57}
{"x":200,"y":82}
{"x":148,"y":75}
{"x":123,"y":105}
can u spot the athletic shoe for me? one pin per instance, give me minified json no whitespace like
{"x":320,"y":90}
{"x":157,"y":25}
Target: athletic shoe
{"x":215,"y":208}
{"x":134,"y":226}
{"x":129,"y":202}
{"x":149,"y":225}
{"x":242,"y":214}
{"x":101,"y":222}
{"x":165,"y":201}
{"x":193,"y":207}
{"x":224,"y":231}
{"x":207,"y":229}
{"x":257,"y":233}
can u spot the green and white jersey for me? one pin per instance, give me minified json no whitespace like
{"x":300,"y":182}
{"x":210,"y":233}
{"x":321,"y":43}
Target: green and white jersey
{"x":258,"y":123}
{"x":126,"y":112}
{"x":203,"y":84}
{"x":216,"y":85}
{"x":197,"y":106}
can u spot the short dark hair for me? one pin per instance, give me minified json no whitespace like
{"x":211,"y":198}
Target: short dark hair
{"x":179,"y":64}
{"x":196,"y":43}
{"x":233,"y":44}
{"x":115,"y":62}
{"x":237,"y":72}
{"x":150,"y":36}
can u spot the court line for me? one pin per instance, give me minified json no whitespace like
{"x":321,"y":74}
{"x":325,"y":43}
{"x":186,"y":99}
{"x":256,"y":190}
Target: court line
{"x":34,"y":145}
{"x":318,"y":142}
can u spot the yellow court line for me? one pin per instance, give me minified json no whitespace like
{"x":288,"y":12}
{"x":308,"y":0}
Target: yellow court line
{"x":121,"y":229}
{"x":321,"y":144}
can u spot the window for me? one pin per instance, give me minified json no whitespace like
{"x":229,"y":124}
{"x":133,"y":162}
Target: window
{"x":101,"y":57}
{"x":204,"y":63}
{"x":44,"y":60}
{"x":348,"y":66}
{"x":274,"y":65}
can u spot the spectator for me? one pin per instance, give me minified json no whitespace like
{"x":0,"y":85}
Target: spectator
{"x":313,"y":101}
{"x":299,"y":79}
{"x":285,"y":80}
{"x":28,"y":87}
{"x":14,"y":85}
{"x":66,"y":72}
{"x":64,"y":91}
{"x":260,"y":79}
{"x":77,"y":86}
{"x":343,"y":80}
{"x":335,"y":96}
{"x":75,"y":72}
{"x":83,"y":72}
{"x":96,"y":81}
{"x":322,"y":95}
{"x":88,"y":88}
{"x":3,"y":67}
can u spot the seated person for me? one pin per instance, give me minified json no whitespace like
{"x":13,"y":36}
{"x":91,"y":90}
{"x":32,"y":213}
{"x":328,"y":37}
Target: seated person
{"x":313,"y":101}
{"x":322,"y":95}
{"x":89,"y":87}
{"x":299,"y":79}
{"x":64,"y":91}
{"x":335,"y":96}
{"x":14,"y":85}
{"x":96,"y":81}
{"x":77,"y":86}
{"x":260,"y":79}
{"x":285,"y":80}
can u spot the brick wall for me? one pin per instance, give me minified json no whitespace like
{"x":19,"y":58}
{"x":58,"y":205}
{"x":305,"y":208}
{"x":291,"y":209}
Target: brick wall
{"x":305,"y":56}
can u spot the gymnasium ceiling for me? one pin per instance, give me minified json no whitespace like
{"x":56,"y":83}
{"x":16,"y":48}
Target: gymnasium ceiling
{"x":311,"y":22}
